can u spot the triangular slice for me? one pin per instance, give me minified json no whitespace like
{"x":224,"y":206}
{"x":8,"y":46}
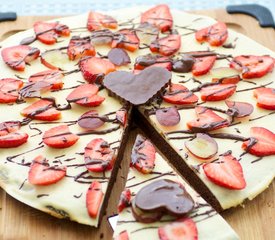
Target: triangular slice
{"x":160,"y":192}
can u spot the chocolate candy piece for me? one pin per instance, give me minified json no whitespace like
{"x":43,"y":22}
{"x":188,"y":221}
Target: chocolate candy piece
{"x":137,"y":89}
{"x":165,"y":196}
{"x":168,"y":116}
{"x":119,"y":57}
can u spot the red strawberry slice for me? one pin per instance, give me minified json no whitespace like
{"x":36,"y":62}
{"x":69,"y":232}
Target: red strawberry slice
{"x":41,"y":110}
{"x":127,"y":39}
{"x":122,"y":117}
{"x":203,"y":65}
{"x":179,"y":94}
{"x":226,"y":172}
{"x":216,"y":34}
{"x":16,"y":57}
{"x":158,"y":16}
{"x":45,"y":32}
{"x":53,"y":77}
{"x":59,"y":137}
{"x":152,"y":60}
{"x":253,"y":66}
{"x":49,"y":32}
{"x":94,"y":69}
{"x":41,"y":173}
{"x":217,"y":92}
{"x":207,"y":121}
{"x":261,"y":143}
{"x":9,"y":90}
{"x":166,"y":46}
{"x":94,"y":197}
{"x":184,"y":228}
{"x":122,"y":236}
{"x":125,"y":200}
{"x":80,"y":47}
{"x":143,"y":155}
{"x":99,"y":156}
{"x":13,"y":139}
{"x":98,"y":20}
{"x":85,"y":95}
{"x":265,"y":98}
{"x":9,"y":127}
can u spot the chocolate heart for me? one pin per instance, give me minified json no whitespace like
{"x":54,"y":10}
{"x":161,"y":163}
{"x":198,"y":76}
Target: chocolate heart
{"x":166,"y":196}
{"x":137,"y":89}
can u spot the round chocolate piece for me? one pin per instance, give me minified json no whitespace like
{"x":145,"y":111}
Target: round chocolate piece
{"x":119,"y":57}
{"x":90,"y":120}
{"x":166,"y":196}
{"x":168,"y":116}
{"x":183,"y":65}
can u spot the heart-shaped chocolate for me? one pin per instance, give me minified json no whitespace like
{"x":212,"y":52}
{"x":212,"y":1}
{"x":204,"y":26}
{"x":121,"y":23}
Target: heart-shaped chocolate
{"x":166,"y":196}
{"x":137,"y":89}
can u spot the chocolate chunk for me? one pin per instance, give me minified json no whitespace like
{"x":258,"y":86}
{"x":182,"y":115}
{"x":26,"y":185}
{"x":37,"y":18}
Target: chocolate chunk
{"x":168,"y":116}
{"x":164,"y":196}
{"x":183,"y":65}
{"x":91,"y":120}
{"x":137,"y":89}
{"x":119,"y":57}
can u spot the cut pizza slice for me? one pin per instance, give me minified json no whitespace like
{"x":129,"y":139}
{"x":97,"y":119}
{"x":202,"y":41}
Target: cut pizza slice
{"x":161,"y":205}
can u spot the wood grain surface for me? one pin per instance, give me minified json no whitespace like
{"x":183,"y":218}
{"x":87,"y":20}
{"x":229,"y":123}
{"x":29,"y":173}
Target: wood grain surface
{"x":254,"y":221}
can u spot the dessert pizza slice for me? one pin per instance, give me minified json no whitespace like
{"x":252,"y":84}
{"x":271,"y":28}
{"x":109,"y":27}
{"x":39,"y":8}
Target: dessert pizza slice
{"x":215,"y":120}
{"x":158,"y":204}
{"x":61,"y":137}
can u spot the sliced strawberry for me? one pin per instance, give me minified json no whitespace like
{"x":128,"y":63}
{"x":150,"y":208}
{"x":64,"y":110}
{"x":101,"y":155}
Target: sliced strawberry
{"x":122,"y":116}
{"x":80,"y":47}
{"x":16,"y":57}
{"x":261,"y":143}
{"x":98,"y":20}
{"x":9,"y":127}
{"x":53,"y":77}
{"x":45,"y":32}
{"x":143,"y":155}
{"x":152,"y":60}
{"x":217,"y":92}
{"x":41,"y":173}
{"x":94,"y":69}
{"x":9,"y":90}
{"x":13,"y":139}
{"x":125,"y":200}
{"x":49,"y":32}
{"x":122,"y":236}
{"x":85,"y":95}
{"x":41,"y":110}
{"x":202,"y":65}
{"x":127,"y":39}
{"x":184,"y":228}
{"x":166,"y":46}
{"x":99,"y":156}
{"x":253,"y":66}
{"x":94,"y":197}
{"x":158,"y":16}
{"x":265,"y":98}
{"x":226,"y":172}
{"x":59,"y":137}
{"x":179,"y":94}
{"x":207,"y":121}
{"x":216,"y":34}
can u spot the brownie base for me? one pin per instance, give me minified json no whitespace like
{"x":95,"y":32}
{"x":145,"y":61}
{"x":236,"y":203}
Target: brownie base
{"x":176,"y":160}
{"x":115,"y":169}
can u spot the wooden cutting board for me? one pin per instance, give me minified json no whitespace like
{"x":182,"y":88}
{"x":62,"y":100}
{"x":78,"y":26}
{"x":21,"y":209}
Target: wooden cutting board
{"x":255,"y":221}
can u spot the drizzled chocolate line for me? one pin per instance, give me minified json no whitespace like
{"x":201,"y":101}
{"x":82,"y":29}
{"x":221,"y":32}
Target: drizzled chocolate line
{"x":42,"y":195}
{"x":78,"y":196}
{"x":20,"y":154}
{"x":171,"y":173}
{"x":253,"y":119}
{"x":21,"y":186}
{"x":257,"y":160}
{"x":99,"y":132}
{"x":248,"y":89}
